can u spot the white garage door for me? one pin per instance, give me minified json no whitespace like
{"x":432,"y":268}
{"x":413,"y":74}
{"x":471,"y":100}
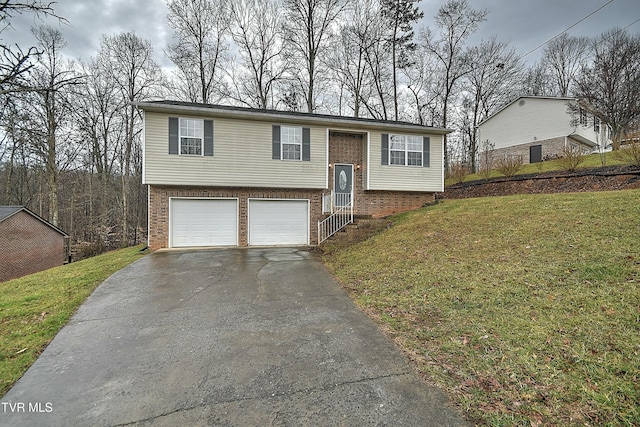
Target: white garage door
{"x":203,"y":222}
{"x":278,"y":222}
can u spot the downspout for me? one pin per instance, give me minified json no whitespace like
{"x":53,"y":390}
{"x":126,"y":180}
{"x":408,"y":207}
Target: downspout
{"x":478,"y":145}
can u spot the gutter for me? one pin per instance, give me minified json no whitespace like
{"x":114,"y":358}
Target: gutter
{"x":279,"y":116}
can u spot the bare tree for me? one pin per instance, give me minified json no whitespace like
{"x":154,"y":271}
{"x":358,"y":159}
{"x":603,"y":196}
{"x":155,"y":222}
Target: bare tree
{"x":256,"y":31}
{"x":537,"y":81}
{"x":136,"y":75}
{"x":400,"y":14}
{"x":422,"y":87}
{"x":564,"y":57}
{"x":456,"y":21}
{"x":98,"y":120}
{"x":377,"y":58}
{"x":359,"y":32}
{"x":48,"y":110}
{"x":15,"y":63}
{"x":17,"y":157}
{"x":308,"y":27}
{"x":610,"y":86}
{"x":199,"y":48}
{"x":489,"y":84}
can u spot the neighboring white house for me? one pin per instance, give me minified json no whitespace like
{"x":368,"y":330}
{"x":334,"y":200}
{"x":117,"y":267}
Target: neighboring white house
{"x":539,"y":128}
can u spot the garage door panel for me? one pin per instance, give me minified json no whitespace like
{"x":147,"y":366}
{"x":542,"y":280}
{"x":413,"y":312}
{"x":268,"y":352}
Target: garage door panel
{"x":278,"y":222}
{"x":204,"y":222}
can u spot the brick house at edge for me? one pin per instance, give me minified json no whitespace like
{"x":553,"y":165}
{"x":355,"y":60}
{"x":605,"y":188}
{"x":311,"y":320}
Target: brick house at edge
{"x":28,"y":243}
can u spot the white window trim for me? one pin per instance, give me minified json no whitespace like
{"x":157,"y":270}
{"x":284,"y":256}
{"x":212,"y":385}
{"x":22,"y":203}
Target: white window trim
{"x":282,"y":143}
{"x":180,"y":136}
{"x":407,"y":151}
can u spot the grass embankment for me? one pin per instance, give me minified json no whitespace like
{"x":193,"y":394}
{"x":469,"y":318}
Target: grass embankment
{"x":34,"y":308}
{"x":525,"y":309}
{"x":590,"y":161}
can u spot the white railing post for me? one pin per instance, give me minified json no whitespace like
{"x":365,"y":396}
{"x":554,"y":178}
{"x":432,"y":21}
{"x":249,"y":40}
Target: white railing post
{"x":341,"y":215}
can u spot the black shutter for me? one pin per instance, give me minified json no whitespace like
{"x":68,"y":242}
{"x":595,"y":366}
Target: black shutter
{"x":385,"y":149}
{"x":208,"y":137}
{"x":426,"y":152}
{"x":306,"y":144}
{"x":275,"y":144}
{"x":173,"y":135}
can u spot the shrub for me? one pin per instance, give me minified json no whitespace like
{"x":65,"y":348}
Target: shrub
{"x":629,"y":152}
{"x":486,"y":159}
{"x":459,"y":171}
{"x":509,"y":165}
{"x":572,"y":156}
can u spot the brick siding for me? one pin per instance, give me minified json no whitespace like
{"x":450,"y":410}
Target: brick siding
{"x":551,"y":148}
{"x":159,"y":208}
{"x":27,"y":246}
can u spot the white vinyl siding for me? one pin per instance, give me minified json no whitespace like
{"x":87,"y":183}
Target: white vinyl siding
{"x":278,"y":222}
{"x":537,"y":119}
{"x":243,"y":158}
{"x":384,"y":177}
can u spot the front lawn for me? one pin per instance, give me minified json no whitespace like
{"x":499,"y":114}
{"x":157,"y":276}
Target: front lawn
{"x":524,"y":309}
{"x":34,"y":308}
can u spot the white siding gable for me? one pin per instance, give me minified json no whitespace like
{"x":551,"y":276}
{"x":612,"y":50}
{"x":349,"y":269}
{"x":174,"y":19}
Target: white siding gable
{"x":531,"y":119}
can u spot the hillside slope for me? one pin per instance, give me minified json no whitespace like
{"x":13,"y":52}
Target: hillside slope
{"x":523,"y":308}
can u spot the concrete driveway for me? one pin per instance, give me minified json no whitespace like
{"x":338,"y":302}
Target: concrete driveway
{"x":237,"y":337}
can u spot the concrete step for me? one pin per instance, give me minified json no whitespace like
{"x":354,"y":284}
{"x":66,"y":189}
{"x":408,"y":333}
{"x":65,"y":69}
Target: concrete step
{"x":358,"y":231}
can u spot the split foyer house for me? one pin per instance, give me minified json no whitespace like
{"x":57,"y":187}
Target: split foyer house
{"x":538,"y":128}
{"x":230,"y":176}
{"x":28,"y":243}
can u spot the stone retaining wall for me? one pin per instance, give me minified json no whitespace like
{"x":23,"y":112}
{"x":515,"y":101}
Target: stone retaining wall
{"x":597,"y":179}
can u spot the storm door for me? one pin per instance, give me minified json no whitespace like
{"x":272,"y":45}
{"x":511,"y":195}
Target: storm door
{"x":343,"y":184}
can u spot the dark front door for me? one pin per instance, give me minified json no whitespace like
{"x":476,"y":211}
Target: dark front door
{"x":342,"y":184}
{"x":535,"y":154}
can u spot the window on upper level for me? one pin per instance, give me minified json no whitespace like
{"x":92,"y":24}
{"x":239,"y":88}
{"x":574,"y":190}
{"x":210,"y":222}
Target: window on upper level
{"x":596,"y":124}
{"x":405,"y":150}
{"x":291,"y":142}
{"x":583,"y":117}
{"x":191,"y":136}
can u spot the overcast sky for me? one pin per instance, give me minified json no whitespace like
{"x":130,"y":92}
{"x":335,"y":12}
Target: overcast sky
{"x":524,"y":23}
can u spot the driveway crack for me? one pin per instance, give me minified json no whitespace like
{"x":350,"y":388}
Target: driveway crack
{"x":305,"y":391}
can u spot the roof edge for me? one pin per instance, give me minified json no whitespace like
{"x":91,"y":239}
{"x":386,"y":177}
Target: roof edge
{"x":271,"y":115}
{"x":36,"y":216}
{"x":508,"y":104}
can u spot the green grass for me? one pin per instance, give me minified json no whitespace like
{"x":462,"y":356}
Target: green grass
{"x":34,"y":308}
{"x":591,"y":161}
{"x":524,"y":309}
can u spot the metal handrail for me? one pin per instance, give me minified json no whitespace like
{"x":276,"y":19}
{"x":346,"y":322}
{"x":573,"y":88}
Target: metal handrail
{"x":342,"y":214}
